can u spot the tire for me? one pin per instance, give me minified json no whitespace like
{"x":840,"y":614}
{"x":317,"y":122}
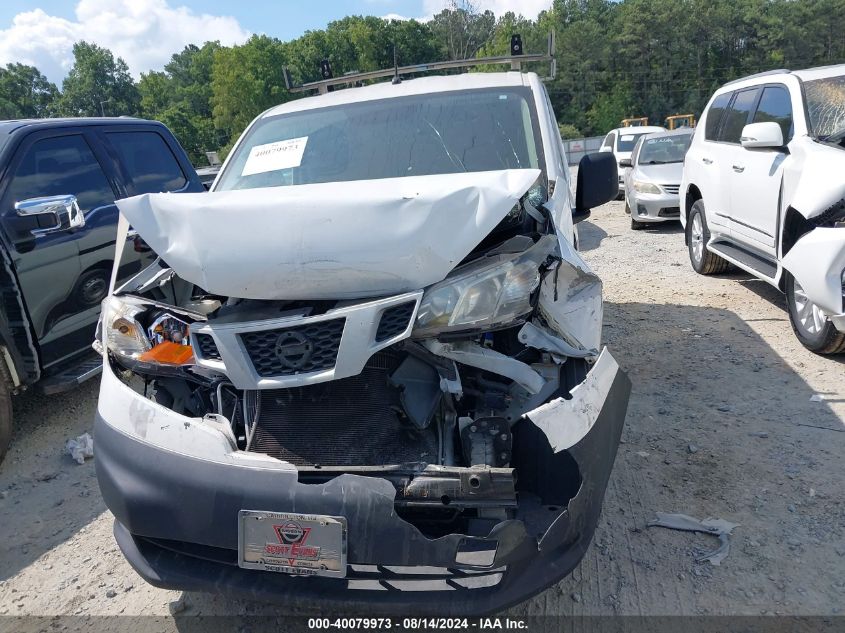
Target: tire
{"x":703,"y":261}
{"x":627,"y":206}
{"x":808,"y":323}
{"x":5,"y":420}
{"x":637,"y":226}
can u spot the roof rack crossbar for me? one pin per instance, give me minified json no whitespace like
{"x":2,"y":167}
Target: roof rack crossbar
{"x":515,"y":62}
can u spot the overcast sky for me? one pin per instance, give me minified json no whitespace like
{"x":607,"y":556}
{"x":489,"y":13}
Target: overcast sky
{"x":146,"y":33}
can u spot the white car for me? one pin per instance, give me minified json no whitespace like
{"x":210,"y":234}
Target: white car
{"x":764,"y":189}
{"x":653,"y":179}
{"x":364,"y":335}
{"x":620,"y":142}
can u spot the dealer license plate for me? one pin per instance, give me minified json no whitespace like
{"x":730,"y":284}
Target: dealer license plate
{"x":298,"y":544}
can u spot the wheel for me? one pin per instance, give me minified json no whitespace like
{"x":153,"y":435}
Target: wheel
{"x":703,"y":261}
{"x":637,"y":226}
{"x":809,"y":322}
{"x":5,"y":420}
{"x":91,"y":287}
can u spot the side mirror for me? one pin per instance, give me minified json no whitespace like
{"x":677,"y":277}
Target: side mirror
{"x":626,"y":162}
{"x":64,"y":209}
{"x":766,"y":135}
{"x":598,"y":182}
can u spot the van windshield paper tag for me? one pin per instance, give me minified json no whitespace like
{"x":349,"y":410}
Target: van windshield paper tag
{"x":275,"y":156}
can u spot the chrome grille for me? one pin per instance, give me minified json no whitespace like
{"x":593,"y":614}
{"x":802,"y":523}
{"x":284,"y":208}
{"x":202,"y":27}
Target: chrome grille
{"x":294,"y":350}
{"x":671,"y":189}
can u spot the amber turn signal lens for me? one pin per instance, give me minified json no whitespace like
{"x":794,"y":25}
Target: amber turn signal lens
{"x":168,"y":353}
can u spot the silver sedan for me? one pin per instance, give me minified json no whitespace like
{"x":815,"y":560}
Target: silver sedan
{"x":652,"y":183}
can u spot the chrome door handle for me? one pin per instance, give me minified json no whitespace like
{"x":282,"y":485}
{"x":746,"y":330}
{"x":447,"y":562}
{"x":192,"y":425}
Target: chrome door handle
{"x":738,"y":169}
{"x":707,"y":161}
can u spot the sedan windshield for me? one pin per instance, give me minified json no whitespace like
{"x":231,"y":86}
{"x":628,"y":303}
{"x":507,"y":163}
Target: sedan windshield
{"x":663,"y":150}
{"x":441,"y":133}
{"x":826,"y":105}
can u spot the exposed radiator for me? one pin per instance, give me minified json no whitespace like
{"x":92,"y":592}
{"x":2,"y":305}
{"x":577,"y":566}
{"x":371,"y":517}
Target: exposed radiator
{"x":348,"y":422}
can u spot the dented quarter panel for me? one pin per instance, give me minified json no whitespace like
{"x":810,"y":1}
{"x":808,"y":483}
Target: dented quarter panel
{"x":341,"y":240}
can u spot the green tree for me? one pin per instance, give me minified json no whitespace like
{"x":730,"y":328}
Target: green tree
{"x":98,"y":84}
{"x":462,"y":29}
{"x":25,"y":92}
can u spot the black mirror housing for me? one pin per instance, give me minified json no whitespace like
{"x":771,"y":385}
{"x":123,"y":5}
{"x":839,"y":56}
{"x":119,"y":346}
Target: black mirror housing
{"x":626,"y":162}
{"x":598,"y":183}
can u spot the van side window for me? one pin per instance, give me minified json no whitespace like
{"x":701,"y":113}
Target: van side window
{"x":151,"y":164}
{"x":58,"y":166}
{"x":776,"y":105}
{"x":714,"y":116}
{"x":737,"y":115}
{"x":609,"y":140}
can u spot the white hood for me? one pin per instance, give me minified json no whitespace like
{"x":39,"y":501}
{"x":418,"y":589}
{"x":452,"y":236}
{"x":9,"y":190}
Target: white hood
{"x":343,"y":240}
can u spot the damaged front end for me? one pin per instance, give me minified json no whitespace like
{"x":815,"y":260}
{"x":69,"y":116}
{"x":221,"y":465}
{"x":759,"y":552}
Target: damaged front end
{"x":391,"y":434}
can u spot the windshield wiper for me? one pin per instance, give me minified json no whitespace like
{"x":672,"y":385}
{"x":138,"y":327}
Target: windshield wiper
{"x":663,"y":162}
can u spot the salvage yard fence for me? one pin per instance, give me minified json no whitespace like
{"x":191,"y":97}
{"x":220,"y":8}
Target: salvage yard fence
{"x":576,"y":148}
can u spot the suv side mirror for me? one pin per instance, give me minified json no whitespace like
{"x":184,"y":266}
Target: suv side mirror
{"x":598,"y":182}
{"x":626,"y":162}
{"x":766,"y":135}
{"x":64,"y":208}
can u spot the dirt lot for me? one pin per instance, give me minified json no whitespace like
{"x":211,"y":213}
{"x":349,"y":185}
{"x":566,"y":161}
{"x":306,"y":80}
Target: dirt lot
{"x":721,"y":424}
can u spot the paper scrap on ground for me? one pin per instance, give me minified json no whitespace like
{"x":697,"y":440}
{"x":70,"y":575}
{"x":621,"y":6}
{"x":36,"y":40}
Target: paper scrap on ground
{"x":81,"y":448}
{"x":275,"y":156}
{"x":716,"y":527}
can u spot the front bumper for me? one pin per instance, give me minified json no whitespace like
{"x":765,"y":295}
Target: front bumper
{"x":654,"y":207}
{"x":175,"y":490}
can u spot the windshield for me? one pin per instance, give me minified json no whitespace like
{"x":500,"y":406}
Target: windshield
{"x":627,"y":141}
{"x":826,"y":105}
{"x":664,"y":149}
{"x":441,"y":133}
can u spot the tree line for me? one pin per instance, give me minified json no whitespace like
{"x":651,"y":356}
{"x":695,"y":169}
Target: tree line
{"x":614,"y":59}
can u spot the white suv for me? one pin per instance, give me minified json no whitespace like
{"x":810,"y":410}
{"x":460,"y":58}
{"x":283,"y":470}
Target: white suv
{"x":764,"y":189}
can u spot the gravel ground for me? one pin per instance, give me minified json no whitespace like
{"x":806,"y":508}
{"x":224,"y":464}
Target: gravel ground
{"x":721,"y":424}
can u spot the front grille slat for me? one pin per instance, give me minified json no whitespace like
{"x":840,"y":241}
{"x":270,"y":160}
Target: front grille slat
{"x":671,"y":189}
{"x":207,"y":347}
{"x":294,"y":350}
{"x":394,"y":321}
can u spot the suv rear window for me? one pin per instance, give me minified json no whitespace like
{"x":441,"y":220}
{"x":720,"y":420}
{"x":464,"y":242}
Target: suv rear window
{"x":439,"y":133}
{"x":714,"y":116}
{"x":151,"y":164}
{"x":737,"y":115}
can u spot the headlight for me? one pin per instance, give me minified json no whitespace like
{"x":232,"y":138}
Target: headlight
{"x":646,"y":187}
{"x":144,"y":336}
{"x":488,"y":292}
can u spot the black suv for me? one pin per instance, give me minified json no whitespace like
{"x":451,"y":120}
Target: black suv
{"x":59,"y":179}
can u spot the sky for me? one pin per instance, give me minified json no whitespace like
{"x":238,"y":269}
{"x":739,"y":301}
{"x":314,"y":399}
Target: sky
{"x":145,"y":33}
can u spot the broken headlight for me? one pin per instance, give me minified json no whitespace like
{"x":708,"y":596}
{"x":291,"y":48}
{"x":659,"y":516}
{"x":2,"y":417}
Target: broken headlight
{"x":486,"y":293}
{"x":141,"y":335}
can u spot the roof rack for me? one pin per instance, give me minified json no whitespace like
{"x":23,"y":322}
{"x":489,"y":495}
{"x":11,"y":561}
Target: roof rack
{"x":766,"y":73}
{"x":515,"y":60}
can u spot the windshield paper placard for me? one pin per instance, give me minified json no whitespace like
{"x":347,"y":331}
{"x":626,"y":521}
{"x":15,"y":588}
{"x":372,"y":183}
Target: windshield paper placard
{"x":275,"y":156}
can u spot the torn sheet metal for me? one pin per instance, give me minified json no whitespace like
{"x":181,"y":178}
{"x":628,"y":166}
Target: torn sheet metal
{"x":717,"y":527}
{"x":537,"y":337}
{"x":475,"y":355}
{"x":571,"y":301}
{"x":342,"y":240}
{"x":566,"y":422}
{"x":813,"y":179}
{"x":816,"y":261}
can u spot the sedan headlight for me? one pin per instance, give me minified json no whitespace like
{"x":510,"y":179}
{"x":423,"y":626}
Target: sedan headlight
{"x":144,"y":336}
{"x":646,"y":187}
{"x":489,"y":292}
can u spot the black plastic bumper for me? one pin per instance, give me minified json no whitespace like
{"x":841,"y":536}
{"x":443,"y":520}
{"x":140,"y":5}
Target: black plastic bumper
{"x":177,"y":526}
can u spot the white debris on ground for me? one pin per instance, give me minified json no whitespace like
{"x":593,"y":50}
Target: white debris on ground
{"x":81,"y":448}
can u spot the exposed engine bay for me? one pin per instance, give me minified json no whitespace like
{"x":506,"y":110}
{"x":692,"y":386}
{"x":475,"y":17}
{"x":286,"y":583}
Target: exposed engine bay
{"x":427,"y":388}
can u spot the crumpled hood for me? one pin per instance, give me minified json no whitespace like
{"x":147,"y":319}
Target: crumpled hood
{"x":344,"y":240}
